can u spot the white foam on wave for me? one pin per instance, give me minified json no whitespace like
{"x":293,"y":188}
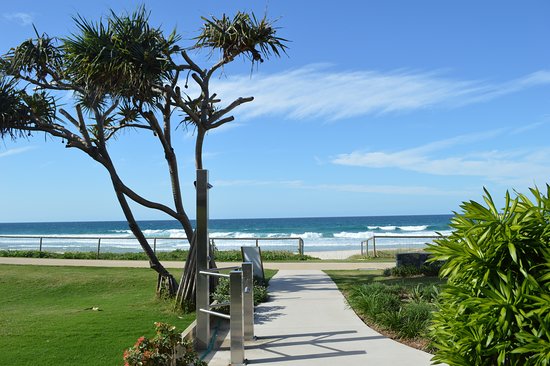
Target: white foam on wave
{"x":413,"y":228}
{"x":232,"y":235}
{"x":308,"y":235}
{"x":348,"y":235}
{"x":385,"y":228}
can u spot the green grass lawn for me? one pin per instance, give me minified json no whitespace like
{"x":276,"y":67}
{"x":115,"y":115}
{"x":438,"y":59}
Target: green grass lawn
{"x":44,"y":321}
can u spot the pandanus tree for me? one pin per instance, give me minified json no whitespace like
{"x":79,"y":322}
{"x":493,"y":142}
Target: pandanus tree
{"x":125,"y":74}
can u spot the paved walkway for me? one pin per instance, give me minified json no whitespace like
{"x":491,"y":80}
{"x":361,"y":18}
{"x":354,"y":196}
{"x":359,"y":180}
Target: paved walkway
{"x":307,"y":322}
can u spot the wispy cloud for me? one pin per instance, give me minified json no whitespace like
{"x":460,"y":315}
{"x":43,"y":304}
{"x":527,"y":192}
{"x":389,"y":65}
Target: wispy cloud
{"x":23,"y":19}
{"x":15,"y":151}
{"x":318,"y":91}
{"x":406,"y":190}
{"x":390,"y":189}
{"x":519,"y":166}
{"x":251,"y":182}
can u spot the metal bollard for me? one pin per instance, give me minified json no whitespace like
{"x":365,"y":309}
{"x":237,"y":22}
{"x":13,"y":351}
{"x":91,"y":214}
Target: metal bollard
{"x":248,"y":301}
{"x":236,"y":322}
{"x":202,"y":262}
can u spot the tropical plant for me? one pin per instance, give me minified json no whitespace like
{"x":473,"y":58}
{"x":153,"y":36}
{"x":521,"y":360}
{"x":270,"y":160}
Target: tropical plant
{"x":404,"y":312}
{"x":124,"y":75}
{"x":495,"y":308}
{"x":222,"y":294}
{"x":166,"y":348}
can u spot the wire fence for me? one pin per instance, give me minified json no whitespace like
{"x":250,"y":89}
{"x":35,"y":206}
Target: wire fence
{"x":381,"y":245}
{"x":375,"y":246}
{"x":105,"y":244}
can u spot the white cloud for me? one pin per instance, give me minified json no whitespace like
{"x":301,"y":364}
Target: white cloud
{"x":406,"y":190}
{"x":251,"y":182}
{"x":317,"y":91}
{"x":521,"y":166}
{"x":390,"y":189}
{"x":15,"y":151}
{"x":21,"y":18}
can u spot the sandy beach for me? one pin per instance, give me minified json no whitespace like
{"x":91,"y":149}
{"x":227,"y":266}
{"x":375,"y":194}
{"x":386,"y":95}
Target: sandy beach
{"x":336,"y":254}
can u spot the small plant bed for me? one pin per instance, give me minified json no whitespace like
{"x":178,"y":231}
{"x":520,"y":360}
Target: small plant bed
{"x":175,"y":255}
{"x":385,"y":255}
{"x":400,"y":307}
{"x":261,"y":294}
{"x":86,"y":316}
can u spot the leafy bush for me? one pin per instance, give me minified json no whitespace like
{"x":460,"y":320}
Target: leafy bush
{"x":174,"y":255}
{"x":410,"y":321}
{"x":222,"y":294}
{"x":394,"y":308}
{"x":267,"y":255}
{"x":374,"y":299}
{"x":403,"y":271}
{"x":424,"y":293}
{"x":431,"y":269}
{"x":495,"y":309}
{"x":167,"y":348}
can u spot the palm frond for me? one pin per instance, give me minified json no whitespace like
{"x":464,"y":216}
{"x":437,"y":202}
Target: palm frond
{"x":21,"y":112}
{"x":37,"y":57}
{"x":242,"y":35}
{"x":122,"y":56}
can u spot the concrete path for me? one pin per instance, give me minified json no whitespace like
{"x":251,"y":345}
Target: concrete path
{"x":307,"y":322}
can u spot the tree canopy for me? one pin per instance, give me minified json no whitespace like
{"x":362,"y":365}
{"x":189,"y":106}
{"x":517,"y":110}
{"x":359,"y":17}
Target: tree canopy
{"x":124,"y":74}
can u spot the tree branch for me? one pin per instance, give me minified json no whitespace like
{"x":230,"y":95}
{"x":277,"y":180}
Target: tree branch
{"x":82,"y":125}
{"x":113,"y":129}
{"x":191,"y":63}
{"x":229,"y":108}
{"x":221,"y":122}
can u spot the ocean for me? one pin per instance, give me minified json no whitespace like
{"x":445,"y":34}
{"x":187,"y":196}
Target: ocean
{"x":318,"y":234}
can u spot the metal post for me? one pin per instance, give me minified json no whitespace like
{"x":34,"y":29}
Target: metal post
{"x":98,"y":246}
{"x":236,"y":313}
{"x":374,"y":245}
{"x":362,"y":242}
{"x":40,"y":248}
{"x":155,"y":246}
{"x":248,"y":301}
{"x":301,"y":246}
{"x":256,"y":242}
{"x":202,"y":262}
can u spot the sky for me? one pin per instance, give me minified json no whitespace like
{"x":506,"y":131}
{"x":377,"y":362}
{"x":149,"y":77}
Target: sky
{"x":380,"y":108}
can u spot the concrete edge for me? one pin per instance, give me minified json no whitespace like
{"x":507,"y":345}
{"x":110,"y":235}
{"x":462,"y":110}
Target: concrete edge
{"x":189,"y":332}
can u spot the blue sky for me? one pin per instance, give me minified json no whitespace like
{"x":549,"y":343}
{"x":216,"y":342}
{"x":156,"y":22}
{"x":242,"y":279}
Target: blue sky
{"x":381,"y":108}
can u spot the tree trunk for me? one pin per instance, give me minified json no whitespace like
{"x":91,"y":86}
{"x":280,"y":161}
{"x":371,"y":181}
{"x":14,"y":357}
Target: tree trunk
{"x":166,"y":283}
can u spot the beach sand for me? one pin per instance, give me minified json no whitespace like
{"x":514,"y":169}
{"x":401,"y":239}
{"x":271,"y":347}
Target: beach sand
{"x":337,"y":254}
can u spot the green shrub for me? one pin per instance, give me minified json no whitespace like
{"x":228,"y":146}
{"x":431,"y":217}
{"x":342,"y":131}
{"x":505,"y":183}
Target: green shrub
{"x":394,"y":308}
{"x":495,"y":308}
{"x":221,"y":294}
{"x":165,"y":349}
{"x":403,"y":271}
{"x":410,"y":321}
{"x":424,"y":293}
{"x":174,"y":255}
{"x":267,"y":255}
{"x":431,"y":269}
{"x":373,"y":299}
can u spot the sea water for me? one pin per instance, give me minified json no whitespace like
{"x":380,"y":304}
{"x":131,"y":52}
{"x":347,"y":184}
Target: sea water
{"x":318,"y":234}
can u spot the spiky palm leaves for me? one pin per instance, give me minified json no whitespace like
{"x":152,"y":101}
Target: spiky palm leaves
{"x":38,"y":58}
{"x":242,"y":35}
{"x":123,"y":57}
{"x":20,"y":112}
